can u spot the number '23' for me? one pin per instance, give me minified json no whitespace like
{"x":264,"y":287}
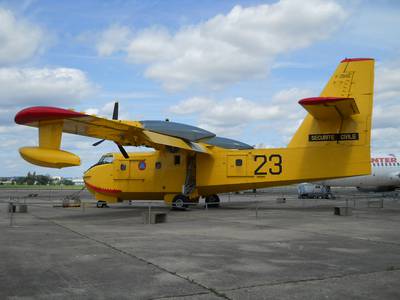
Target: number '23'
{"x":276,"y":161}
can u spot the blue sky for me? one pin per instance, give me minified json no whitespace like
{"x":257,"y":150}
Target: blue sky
{"x":237,"y":68}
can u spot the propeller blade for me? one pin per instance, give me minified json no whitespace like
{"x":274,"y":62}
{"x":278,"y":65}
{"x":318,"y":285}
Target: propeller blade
{"x":115,"y":117}
{"x":115,"y":112}
{"x":98,"y":143}
{"x":123,"y":151}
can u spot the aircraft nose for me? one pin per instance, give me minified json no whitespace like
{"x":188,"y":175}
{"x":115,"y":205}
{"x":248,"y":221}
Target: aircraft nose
{"x":87,"y":175}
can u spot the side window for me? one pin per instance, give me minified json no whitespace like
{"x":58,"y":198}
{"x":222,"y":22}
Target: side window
{"x":177,"y":159}
{"x":238,"y":162}
{"x":158,"y":165}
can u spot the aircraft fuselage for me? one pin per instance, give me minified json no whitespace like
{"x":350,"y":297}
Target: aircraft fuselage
{"x":161,"y":175}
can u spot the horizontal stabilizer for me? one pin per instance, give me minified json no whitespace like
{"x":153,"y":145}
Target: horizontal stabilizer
{"x":330,"y":108}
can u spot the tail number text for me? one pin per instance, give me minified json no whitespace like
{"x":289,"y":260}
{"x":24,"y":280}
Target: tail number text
{"x":272,"y":162}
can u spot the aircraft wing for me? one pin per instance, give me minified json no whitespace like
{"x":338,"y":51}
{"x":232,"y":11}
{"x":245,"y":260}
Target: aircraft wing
{"x":125,"y":133}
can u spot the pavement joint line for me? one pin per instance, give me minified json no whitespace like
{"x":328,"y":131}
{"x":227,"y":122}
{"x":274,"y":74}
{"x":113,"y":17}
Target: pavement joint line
{"x":180,"y":296}
{"x":192,"y":281}
{"x":314,"y":279}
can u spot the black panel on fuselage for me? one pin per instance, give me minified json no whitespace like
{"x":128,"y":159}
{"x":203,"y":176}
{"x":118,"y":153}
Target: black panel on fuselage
{"x":183,"y":131}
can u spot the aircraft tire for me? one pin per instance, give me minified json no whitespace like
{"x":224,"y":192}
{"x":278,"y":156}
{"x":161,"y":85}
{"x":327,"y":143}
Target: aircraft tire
{"x":212,"y":201}
{"x":180,"y":202}
{"x":101,"y":204}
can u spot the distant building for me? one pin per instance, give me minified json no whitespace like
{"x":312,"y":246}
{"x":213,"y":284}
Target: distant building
{"x":56,"y":178}
{"x":77,"y":181}
{"x":6,"y":181}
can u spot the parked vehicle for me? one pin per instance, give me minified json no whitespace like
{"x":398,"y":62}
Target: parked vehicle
{"x":314,"y":191}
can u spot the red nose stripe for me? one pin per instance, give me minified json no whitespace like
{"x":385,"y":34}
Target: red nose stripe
{"x":43,"y":113}
{"x":102,"y":190}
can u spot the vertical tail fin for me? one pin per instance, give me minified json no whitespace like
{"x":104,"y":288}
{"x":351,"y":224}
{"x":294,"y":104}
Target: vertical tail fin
{"x":342,"y":114}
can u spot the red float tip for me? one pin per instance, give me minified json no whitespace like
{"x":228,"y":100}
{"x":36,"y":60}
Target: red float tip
{"x":42,"y":113}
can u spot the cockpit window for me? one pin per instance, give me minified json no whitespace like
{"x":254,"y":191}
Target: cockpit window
{"x":106,"y":159}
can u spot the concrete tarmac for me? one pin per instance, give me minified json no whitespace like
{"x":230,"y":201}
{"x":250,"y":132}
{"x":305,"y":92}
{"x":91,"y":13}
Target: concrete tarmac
{"x":250,"y":248}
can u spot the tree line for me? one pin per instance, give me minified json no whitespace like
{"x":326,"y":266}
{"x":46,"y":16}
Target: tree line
{"x":38,"y":179}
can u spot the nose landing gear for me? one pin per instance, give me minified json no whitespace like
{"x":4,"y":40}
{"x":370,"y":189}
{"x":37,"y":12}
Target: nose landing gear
{"x":101,"y":204}
{"x":180,"y":202}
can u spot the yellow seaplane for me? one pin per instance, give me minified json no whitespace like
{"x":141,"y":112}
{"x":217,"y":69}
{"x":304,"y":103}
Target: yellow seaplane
{"x":189,"y":162}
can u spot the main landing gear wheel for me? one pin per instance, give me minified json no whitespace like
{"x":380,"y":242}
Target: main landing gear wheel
{"x":180,"y":202}
{"x":101,"y":204}
{"x":212,"y":201}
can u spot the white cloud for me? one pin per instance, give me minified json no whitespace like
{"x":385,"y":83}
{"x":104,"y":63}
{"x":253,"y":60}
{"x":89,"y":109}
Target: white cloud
{"x":291,"y":95}
{"x":287,"y":99}
{"x":192,"y":105}
{"x":386,"y":140}
{"x":227,"y":117}
{"x":386,"y":125}
{"x":114,"y":38}
{"x":281,"y":115}
{"x":45,"y":86}
{"x":12,"y":129}
{"x":239,"y":111}
{"x":385,"y":116}
{"x":387,"y":85}
{"x":228,"y":48}
{"x":20,"y":39}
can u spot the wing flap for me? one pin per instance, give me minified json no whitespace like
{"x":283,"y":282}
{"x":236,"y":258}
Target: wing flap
{"x":160,"y":139}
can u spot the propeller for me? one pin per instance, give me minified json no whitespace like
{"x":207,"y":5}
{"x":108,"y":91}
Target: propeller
{"x":114,"y":117}
{"x":123,"y":151}
{"x":98,"y":143}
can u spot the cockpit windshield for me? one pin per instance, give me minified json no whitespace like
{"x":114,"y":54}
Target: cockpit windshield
{"x":106,"y":159}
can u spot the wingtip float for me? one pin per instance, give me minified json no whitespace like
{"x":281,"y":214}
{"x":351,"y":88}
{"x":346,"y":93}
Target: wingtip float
{"x":50,"y":158}
{"x":49,"y":120}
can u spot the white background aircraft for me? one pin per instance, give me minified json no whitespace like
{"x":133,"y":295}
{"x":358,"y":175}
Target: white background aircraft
{"x":385,"y":176}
